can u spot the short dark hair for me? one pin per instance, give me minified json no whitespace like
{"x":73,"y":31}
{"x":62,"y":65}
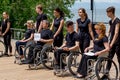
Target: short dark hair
{"x":47,"y":22}
{"x":111,"y":9}
{"x":39,"y":7}
{"x":69,"y":23}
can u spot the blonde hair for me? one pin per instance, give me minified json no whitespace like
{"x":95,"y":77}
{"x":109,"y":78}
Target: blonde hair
{"x":102,"y":27}
{"x":31,"y":22}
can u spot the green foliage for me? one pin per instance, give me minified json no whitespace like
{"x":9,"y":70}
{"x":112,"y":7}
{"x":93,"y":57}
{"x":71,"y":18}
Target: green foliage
{"x":22,"y":10}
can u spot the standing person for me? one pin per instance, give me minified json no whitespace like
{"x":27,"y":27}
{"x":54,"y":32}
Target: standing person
{"x":84,"y":29}
{"x":41,"y":16}
{"x":100,"y":47}
{"x":29,"y":34}
{"x":114,"y":34}
{"x":57,"y":25}
{"x":6,"y":33}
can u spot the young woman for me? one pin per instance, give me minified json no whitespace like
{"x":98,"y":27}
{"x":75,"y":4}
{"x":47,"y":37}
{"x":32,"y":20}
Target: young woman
{"x":6,"y":33}
{"x":57,"y":25}
{"x":84,"y":29}
{"x":29,"y":34}
{"x":100,"y":46}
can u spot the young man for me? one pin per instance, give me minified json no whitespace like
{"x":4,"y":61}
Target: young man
{"x":71,"y":44}
{"x":114,"y":34}
{"x":41,"y":16}
{"x":46,"y":37}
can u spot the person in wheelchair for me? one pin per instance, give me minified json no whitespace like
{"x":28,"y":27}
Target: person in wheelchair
{"x":46,"y":38}
{"x":71,"y":44}
{"x":100,"y":47}
{"x":29,"y":34}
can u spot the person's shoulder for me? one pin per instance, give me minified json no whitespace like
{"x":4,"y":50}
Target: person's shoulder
{"x":105,"y":38}
{"x":79,"y":19}
{"x":117,"y":20}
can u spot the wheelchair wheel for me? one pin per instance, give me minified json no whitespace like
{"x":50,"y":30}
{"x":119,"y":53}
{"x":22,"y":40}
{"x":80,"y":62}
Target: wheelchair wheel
{"x":73,"y":63}
{"x":26,"y":51}
{"x":47,"y":58}
{"x":102,"y":72}
{"x":2,"y":48}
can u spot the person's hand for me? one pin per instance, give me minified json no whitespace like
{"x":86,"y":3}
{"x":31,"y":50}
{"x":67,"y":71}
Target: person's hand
{"x":3,"y":34}
{"x":111,"y":46}
{"x":97,"y":53}
{"x":86,"y":50}
{"x":66,"y":48}
{"x":54,"y":36}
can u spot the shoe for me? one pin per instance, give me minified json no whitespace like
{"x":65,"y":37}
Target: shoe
{"x":80,"y":76}
{"x":25,"y":61}
{"x":6,"y":55}
{"x":104,"y":77}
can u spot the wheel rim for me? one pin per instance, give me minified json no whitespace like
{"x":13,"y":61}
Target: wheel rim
{"x":102,"y":72}
{"x":2,"y":48}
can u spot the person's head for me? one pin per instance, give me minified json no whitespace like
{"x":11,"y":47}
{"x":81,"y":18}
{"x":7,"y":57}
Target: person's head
{"x":100,"y":29}
{"x":70,"y":26}
{"x":110,"y":11}
{"x":82,"y":12}
{"x":58,"y":12}
{"x":5,"y":15}
{"x":30,"y":24}
{"x":45,"y":24}
{"x":39,"y":8}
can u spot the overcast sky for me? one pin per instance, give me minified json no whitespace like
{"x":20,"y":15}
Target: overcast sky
{"x":110,"y":1}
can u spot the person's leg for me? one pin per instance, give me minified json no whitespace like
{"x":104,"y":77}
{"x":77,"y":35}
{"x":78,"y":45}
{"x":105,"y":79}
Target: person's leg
{"x":9,"y":43}
{"x":111,"y":55}
{"x":6,"y":45}
{"x":58,"y":56}
{"x":118,"y":55}
{"x":82,"y":69}
{"x":19,"y":48}
{"x":86,"y":43}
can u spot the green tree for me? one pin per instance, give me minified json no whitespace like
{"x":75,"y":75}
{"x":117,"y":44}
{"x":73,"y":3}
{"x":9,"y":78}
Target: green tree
{"x":22,"y":10}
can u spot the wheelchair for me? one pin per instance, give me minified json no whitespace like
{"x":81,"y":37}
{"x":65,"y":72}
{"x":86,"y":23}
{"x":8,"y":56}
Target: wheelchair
{"x":43,"y":57}
{"x":97,"y":69}
{"x":72,"y":63}
{"x":25,"y":47}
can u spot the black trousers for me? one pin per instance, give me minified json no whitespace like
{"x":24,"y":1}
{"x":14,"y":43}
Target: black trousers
{"x":33,"y":52}
{"x":58,"y":40}
{"x":113,"y":50}
{"x":59,"y":58}
{"x":82,"y":69}
{"x":7,"y":42}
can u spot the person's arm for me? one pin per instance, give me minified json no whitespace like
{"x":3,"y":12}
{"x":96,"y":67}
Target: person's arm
{"x":90,"y":30}
{"x":77,"y":29}
{"x":76,"y":47}
{"x":115,"y":35}
{"x":60,"y":27}
{"x":46,"y":40}
{"x":64,"y":44}
{"x":30,"y":38}
{"x":51,"y":28}
{"x":7,"y":29}
{"x":103,"y":51}
{"x":108,"y":32}
{"x":40,"y":27}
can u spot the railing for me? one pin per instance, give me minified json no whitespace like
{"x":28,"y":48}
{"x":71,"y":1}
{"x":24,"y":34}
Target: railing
{"x":17,"y":33}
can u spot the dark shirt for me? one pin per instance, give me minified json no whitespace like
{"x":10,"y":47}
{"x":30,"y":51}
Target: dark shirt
{"x":99,"y":44}
{"x":112,"y":30}
{"x":45,"y":34}
{"x":39,"y":18}
{"x":28,"y":33}
{"x":71,"y":38}
{"x":57,"y":24}
{"x":83,"y":26}
{"x":4,"y":26}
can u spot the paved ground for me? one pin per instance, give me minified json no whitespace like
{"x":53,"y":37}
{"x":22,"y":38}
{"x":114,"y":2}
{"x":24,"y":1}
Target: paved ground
{"x":11,"y":71}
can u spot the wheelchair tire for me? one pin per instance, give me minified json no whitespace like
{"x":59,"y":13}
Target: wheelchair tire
{"x":26,"y":51}
{"x":73,"y":64}
{"x":2,"y":48}
{"x":101,"y":71}
{"x":47,"y":60}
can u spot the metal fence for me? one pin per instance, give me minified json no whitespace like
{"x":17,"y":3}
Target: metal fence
{"x":17,"y":33}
